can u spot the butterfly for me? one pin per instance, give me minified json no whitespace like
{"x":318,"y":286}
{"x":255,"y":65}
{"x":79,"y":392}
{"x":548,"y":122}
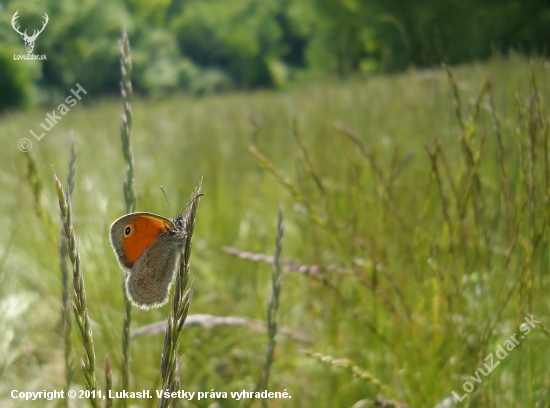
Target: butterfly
{"x":148,"y":248}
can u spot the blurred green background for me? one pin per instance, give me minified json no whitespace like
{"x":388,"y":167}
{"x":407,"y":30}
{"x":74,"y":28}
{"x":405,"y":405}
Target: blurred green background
{"x":215,"y":45}
{"x":416,"y":199}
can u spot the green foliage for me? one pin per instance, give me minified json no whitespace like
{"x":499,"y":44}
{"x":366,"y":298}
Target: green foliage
{"x":15,"y":80}
{"x":459,"y":31}
{"x":152,"y":12}
{"x":235,"y":36}
{"x":157,"y":62}
{"x":342,"y":36}
{"x":208,"y":46}
{"x":81,"y":44}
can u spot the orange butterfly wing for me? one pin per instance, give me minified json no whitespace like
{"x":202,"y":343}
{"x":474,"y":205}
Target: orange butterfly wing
{"x":133,"y":233}
{"x":145,"y":229}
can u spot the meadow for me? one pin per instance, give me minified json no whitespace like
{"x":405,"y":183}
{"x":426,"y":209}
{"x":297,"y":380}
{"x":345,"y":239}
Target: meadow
{"x":416,"y":211}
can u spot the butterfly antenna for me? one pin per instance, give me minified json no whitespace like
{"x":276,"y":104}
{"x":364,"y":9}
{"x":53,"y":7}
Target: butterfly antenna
{"x":193,"y":199}
{"x":168,"y":201}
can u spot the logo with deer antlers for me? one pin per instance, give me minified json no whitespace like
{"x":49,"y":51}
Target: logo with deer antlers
{"x":29,"y":40}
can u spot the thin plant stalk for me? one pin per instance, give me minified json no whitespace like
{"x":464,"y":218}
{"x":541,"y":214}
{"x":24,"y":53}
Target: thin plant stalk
{"x":504,"y":181}
{"x":67,"y":320}
{"x":80,"y":307}
{"x":37,"y":186}
{"x":307,"y":160}
{"x":273,"y":306}
{"x":130,"y":193}
{"x":179,"y":308}
{"x":385,"y":193}
{"x":288,"y":185}
{"x":358,"y":372}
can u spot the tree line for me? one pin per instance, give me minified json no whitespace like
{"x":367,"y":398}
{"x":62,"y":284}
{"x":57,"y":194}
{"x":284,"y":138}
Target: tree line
{"x":205,"y":46}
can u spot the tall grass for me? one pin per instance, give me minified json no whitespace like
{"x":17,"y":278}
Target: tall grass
{"x":416,"y":236}
{"x":66,"y":283}
{"x":79,"y":301}
{"x":273,"y":307}
{"x":130,"y":191}
{"x":179,"y":309}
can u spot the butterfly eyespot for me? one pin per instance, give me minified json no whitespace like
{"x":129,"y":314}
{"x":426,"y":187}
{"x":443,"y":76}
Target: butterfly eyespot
{"x":127,"y":230}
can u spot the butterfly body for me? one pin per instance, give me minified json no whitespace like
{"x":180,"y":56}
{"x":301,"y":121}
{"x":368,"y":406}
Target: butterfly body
{"x":148,"y":247}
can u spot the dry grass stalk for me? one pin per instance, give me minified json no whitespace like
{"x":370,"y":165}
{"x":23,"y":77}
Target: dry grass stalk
{"x":348,"y":365}
{"x":385,"y":192}
{"x":209,"y":321}
{"x":288,"y":185}
{"x":290,"y":265}
{"x":314,"y":274}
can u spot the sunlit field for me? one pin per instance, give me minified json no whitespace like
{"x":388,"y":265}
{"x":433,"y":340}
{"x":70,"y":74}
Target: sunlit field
{"x":416,"y":211}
